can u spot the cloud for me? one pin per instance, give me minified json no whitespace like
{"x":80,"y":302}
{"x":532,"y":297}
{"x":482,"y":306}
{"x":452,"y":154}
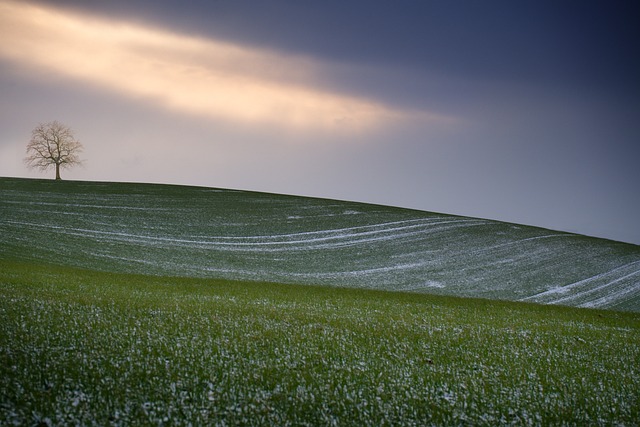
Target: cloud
{"x":188,"y":74}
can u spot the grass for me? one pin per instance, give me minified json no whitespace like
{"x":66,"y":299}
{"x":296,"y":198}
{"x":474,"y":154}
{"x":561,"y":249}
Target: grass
{"x":80,"y":347}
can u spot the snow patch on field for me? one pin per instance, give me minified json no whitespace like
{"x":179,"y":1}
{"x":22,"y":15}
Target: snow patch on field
{"x":599,"y":290}
{"x":434,"y":284}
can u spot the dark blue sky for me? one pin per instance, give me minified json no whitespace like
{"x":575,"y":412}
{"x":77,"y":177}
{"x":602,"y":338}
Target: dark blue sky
{"x":547,"y":42}
{"x":519,"y":111}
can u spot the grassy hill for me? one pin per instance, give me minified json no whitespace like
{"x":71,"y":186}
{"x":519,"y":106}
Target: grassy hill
{"x":213,"y":233}
{"x":132,"y":304}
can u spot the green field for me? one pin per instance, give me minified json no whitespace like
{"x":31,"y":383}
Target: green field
{"x":226,"y":234}
{"x":81,"y":347}
{"x":134,"y":304}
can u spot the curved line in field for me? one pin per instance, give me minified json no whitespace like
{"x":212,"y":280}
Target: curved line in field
{"x":362,"y":272}
{"x":515,"y":242}
{"x":599,"y":288}
{"x":563,"y":290}
{"x":81,"y":205}
{"x":317,"y":275}
{"x":623,"y":294}
{"x":344,"y":238}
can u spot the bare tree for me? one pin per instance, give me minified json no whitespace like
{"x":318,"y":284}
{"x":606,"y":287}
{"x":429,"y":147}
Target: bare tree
{"x":53,"y":144}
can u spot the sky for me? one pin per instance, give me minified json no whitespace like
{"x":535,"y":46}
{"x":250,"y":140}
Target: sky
{"x":525,"y":112}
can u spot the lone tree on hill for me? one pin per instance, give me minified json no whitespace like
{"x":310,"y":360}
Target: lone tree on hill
{"x":53,"y":144}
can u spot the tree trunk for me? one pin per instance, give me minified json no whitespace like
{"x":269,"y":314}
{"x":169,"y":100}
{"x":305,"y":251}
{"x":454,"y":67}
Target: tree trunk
{"x":57,"y":170}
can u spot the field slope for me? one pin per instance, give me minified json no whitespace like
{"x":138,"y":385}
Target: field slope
{"x":235,"y":235}
{"x":81,"y":347}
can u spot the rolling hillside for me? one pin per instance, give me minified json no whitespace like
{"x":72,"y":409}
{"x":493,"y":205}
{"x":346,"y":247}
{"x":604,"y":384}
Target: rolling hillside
{"x":204,"y":232}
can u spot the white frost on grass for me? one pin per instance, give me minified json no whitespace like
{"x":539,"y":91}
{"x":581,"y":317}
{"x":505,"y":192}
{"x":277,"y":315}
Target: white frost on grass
{"x":434,"y":284}
{"x":518,"y":242}
{"x":84,"y":205}
{"x":608,"y":300}
{"x":362,"y":272}
{"x":613,"y":284}
{"x":304,"y":240}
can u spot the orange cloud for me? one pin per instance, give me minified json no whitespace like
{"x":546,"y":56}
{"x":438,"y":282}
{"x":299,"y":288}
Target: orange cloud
{"x":188,"y":74}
